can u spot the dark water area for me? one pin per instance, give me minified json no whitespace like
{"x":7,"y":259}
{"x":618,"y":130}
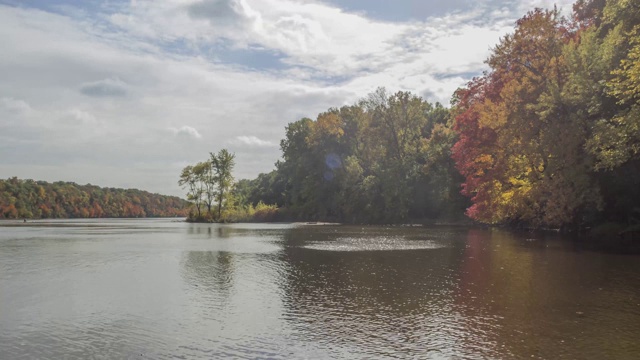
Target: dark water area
{"x":161,"y":289}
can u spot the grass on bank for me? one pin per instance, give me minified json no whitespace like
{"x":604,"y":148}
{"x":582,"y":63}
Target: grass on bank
{"x":249,"y":213}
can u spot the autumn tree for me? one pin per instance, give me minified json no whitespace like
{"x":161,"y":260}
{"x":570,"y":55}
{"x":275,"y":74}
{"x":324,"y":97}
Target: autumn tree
{"x":521,"y":146}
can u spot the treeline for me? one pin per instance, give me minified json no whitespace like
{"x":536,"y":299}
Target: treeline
{"x":31,"y":199}
{"x":385,"y":159}
{"x":548,"y":137}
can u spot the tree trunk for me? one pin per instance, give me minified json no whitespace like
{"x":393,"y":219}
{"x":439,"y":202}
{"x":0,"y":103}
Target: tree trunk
{"x":220,"y":204}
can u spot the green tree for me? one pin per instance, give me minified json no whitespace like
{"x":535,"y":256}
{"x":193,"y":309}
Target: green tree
{"x":222,"y":165}
{"x":189,"y":180}
{"x":206,"y":183}
{"x":366,"y":162}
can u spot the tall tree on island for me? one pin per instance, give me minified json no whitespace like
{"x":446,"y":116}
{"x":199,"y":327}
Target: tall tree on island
{"x":207,"y":181}
{"x":189,"y":180}
{"x":222,"y":165}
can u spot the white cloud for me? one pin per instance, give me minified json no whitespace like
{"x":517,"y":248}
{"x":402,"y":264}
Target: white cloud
{"x":15,"y":105}
{"x":82,"y":117}
{"x":104,"y":88}
{"x":252,"y":141}
{"x":564,"y":6}
{"x":321,"y":43}
{"x":310,"y":34}
{"x":186,"y":131}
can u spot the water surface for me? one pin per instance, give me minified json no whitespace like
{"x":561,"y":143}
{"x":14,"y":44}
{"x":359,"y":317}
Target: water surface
{"x":163,"y":289}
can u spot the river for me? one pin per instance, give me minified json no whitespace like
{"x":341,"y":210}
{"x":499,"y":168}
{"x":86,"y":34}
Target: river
{"x":165,"y":289}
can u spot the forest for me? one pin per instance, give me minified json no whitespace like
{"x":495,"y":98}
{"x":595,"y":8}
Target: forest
{"x":385,"y":159}
{"x":29,"y":199}
{"x":548,"y":137}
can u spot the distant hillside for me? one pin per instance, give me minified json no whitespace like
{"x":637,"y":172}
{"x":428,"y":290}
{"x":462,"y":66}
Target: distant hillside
{"x":39,"y":199}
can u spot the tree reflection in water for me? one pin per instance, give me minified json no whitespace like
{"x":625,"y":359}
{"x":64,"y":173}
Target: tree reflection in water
{"x":380,"y":302}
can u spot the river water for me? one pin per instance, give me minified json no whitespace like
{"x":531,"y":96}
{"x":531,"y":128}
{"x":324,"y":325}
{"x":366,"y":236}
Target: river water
{"x":164,"y":289}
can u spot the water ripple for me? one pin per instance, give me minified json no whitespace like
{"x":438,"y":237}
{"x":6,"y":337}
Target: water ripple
{"x":379,"y":243}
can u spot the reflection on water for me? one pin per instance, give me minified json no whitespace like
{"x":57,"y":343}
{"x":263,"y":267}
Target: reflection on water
{"x":161,"y":289}
{"x":213,"y":272}
{"x":552,"y":301}
{"x":372,"y":302}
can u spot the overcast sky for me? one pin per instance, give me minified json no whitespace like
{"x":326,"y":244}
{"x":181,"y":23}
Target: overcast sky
{"x":127,"y":93}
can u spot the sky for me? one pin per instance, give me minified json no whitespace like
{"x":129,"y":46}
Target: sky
{"x":127,"y":93}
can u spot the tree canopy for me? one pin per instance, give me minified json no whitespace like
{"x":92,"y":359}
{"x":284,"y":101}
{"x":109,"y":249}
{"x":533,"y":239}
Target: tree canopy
{"x":546,"y":135}
{"x":210,"y":182}
{"x":385,"y":159}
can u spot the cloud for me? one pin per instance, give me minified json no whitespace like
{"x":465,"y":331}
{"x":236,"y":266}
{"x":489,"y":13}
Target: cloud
{"x":313,"y":35}
{"x":252,"y":141}
{"x":15,"y":106}
{"x":186,"y":132}
{"x":77,"y":117}
{"x":320,"y":44}
{"x":216,"y":11}
{"x":104,"y":88}
{"x":15,"y":127}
